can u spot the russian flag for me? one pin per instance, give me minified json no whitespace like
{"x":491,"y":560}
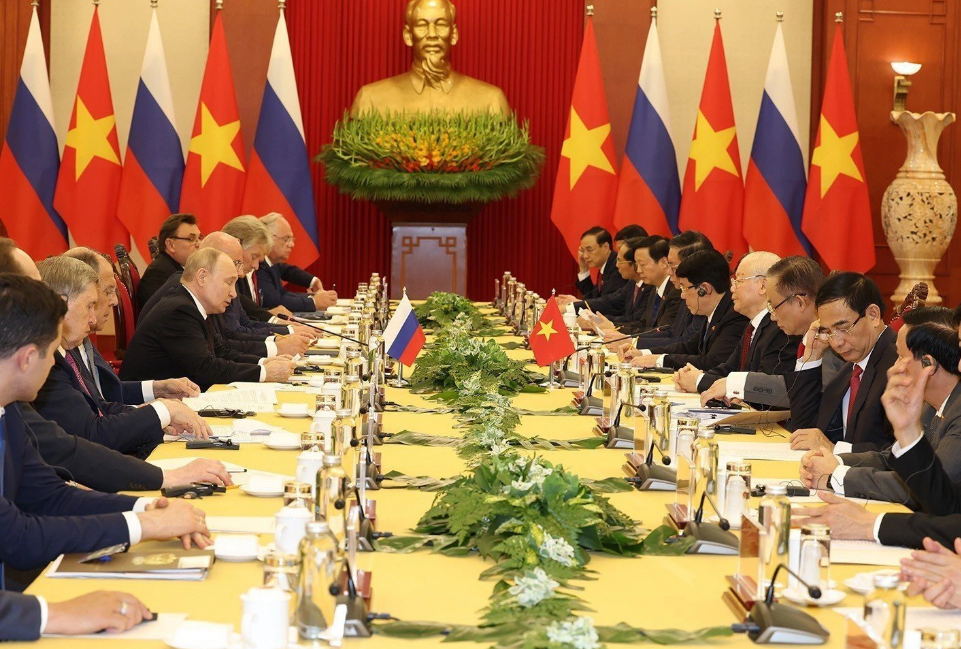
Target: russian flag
{"x":30,"y":160}
{"x":153,"y":166}
{"x":278,"y":177}
{"x":649,"y":190}
{"x":404,"y":336}
{"x":776,"y":174}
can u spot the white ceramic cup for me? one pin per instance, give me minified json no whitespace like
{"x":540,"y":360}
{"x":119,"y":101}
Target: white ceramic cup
{"x":323,"y":419}
{"x":291,"y":527}
{"x":308,"y":464}
{"x":296,"y":409}
{"x":265,"y":619}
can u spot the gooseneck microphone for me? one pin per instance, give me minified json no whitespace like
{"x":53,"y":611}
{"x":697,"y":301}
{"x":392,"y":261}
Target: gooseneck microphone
{"x":813,"y":591}
{"x":283,"y":316}
{"x":722,"y":522}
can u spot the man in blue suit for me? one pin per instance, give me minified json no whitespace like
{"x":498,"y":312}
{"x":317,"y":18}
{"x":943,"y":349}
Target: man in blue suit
{"x":41,"y":516}
{"x":71,"y":400}
{"x":274,"y":271}
{"x":27,"y":617}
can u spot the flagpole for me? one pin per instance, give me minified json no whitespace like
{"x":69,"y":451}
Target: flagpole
{"x":400,"y":381}
{"x":552,"y":383}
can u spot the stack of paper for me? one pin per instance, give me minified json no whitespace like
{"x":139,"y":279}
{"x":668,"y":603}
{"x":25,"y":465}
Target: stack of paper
{"x":775,"y":451}
{"x":182,"y":565}
{"x":258,"y":399}
{"x":868,"y":553}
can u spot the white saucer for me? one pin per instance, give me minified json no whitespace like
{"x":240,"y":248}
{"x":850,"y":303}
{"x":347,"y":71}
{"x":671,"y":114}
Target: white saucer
{"x":828,"y":597}
{"x":863,"y":582}
{"x":295,"y":415}
{"x":262,"y":494}
{"x":237,"y":558}
{"x":283,"y":447}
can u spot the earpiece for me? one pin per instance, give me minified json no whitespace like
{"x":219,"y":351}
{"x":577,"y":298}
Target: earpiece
{"x":925,"y":362}
{"x":701,"y":292}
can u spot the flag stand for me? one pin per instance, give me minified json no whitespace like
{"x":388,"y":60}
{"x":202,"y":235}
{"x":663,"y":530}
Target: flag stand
{"x":552,"y":384}
{"x":400,"y":381}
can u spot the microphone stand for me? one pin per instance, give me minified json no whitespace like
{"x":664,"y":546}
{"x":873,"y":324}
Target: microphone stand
{"x":283,"y":316}
{"x":711,"y":538}
{"x":771,"y":623}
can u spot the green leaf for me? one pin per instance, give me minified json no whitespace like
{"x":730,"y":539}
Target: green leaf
{"x":664,"y":541}
{"x":409,"y":630}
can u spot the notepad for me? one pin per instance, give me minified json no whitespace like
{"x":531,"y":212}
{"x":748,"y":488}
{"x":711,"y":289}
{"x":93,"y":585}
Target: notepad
{"x":177,"y":565}
{"x":868,"y":553}
{"x":259,"y":399}
{"x":241,"y":524}
{"x":774,"y":451}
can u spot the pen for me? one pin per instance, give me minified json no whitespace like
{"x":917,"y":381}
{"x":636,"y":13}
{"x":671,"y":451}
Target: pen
{"x":238,"y":471}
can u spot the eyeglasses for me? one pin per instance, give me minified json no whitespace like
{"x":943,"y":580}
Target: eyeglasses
{"x":737,"y":280}
{"x":623,"y":262}
{"x":826,"y":336}
{"x":672,"y":266}
{"x":194,"y":238}
{"x":238,"y":264}
{"x":288,"y":240}
{"x":588,"y":250}
{"x":687,"y":288}
{"x":771,"y":309}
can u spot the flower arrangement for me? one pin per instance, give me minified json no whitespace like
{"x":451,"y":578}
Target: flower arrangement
{"x":431,"y":157}
{"x":440,"y":309}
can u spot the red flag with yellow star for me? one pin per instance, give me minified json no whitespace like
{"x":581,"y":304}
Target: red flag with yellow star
{"x":586,"y":184}
{"x":214,"y":176}
{"x":549,"y":339}
{"x":712,"y":198}
{"x":88,"y":183}
{"x":837,"y":210}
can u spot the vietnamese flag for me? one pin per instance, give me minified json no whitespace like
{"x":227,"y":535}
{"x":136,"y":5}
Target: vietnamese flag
{"x":549,"y":339}
{"x":214,"y":176}
{"x":89,"y":180}
{"x":712,"y":200}
{"x":837,"y":210}
{"x":586,"y":184}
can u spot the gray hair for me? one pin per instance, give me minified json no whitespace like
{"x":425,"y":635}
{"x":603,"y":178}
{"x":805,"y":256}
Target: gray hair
{"x":88,"y":256}
{"x":67,"y":276}
{"x":758,"y":263}
{"x":270,"y":219}
{"x":249,"y":230}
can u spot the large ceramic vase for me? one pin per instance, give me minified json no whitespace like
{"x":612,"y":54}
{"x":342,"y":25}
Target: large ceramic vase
{"x":919,"y":209}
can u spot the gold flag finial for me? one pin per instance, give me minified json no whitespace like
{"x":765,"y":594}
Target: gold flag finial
{"x":220,"y":5}
{"x":282,"y":4}
{"x":654,"y":12}
{"x":34,"y":3}
{"x":153,"y":4}
{"x":779,"y":16}
{"x":717,"y":14}
{"x":590,"y":10}
{"x":839,"y":17}
{"x":96,"y":3}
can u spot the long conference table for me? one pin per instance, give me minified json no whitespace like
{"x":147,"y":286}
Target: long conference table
{"x":651,"y":592}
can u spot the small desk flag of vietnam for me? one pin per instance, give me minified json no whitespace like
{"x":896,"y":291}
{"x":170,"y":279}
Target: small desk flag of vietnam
{"x":549,"y":339}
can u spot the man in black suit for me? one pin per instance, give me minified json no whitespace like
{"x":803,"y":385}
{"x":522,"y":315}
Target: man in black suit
{"x":845,"y":415}
{"x":663,"y":301}
{"x":684,"y":325}
{"x":274,"y":271}
{"x":179,"y":236}
{"x":42,"y":517}
{"x":597,"y":250}
{"x":177,"y":337}
{"x":704,"y":278}
{"x":616,"y":307}
{"x":928,"y":337}
{"x":763,"y":346}
{"x":70,"y":398}
{"x":27,"y":617}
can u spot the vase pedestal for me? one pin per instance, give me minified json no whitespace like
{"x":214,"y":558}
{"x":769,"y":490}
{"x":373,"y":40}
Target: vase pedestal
{"x":428,"y":246}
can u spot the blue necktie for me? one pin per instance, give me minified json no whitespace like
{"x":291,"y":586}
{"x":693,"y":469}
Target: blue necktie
{"x":656,"y":308}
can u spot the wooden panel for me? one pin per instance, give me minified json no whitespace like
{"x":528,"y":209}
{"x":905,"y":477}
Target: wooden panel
{"x":877,"y":32}
{"x":428,"y":258}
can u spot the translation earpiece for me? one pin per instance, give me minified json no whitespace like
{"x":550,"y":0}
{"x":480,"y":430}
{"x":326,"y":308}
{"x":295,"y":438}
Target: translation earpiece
{"x":701,"y":292}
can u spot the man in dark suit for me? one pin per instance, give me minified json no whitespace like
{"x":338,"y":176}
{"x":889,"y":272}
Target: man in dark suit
{"x":620,"y":306}
{"x":179,"y":236}
{"x":705,"y":280}
{"x":597,"y":250}
{"x":274,"y":271}
{"x":845,"y":414}
{"x":763,"y":347}
{"x":684,"y":325}
{"x":42,"y":517}
{"x":27,"y":617}
{"x":177,"y":337}
{"x":872,"y":474}
{"x":663,"y":301}
{"x":71,"y":399}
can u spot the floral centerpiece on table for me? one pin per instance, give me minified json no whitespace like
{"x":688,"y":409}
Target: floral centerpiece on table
{"x":431,"y":157}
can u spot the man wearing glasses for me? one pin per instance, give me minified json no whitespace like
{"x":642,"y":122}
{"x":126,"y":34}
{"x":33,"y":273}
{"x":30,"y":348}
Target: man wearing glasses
{"x":845,"y":414}
{"x":179,"y":237}
{"x":274,"y":270}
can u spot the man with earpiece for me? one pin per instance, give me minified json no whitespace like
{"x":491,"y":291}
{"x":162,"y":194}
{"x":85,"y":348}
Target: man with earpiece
{"x":704,"y":279}
{"x":928,"y":338}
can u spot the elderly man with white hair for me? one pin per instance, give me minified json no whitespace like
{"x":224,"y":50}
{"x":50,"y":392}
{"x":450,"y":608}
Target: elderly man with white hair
{"x":274,"y":271}
{"x":763,"y":346}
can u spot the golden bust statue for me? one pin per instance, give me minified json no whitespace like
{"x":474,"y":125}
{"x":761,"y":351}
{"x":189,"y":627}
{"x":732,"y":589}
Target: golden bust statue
{"x":431,"y":84}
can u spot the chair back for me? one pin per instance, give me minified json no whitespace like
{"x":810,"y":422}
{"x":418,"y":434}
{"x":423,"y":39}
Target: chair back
{"x":129,"y":275}
{"x":123,"y":317}
{"x":914,"y":299}
{"x":154,"y":248}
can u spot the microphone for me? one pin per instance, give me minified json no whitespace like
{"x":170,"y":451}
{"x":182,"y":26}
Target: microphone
{"x":617,"y":340}
{"x":813,"y":591}
{"x":650,"y":455}
{"x":699,"y":514}
{"x":283,"y":316}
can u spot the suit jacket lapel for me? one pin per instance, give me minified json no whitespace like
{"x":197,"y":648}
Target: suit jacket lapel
{"x":869,"y":376}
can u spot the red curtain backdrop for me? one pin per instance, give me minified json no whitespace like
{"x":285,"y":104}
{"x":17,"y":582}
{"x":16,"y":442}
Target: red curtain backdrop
{"x":528,"y":48}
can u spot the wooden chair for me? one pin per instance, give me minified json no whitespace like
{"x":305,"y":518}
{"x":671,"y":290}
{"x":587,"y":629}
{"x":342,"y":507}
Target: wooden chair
{"x":154,"y":248}
{"x":129,"y":275}
{"x":914,"y":299}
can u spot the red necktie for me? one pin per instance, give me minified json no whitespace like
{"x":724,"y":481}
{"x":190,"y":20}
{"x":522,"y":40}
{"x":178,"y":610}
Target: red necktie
{"x":637,"y":289}
{"x":746,"y":346}
{"x":83,"y":384}
{"x":855,"y":384}
{"x":600,"y":282}
{"x":800,"y":350}
{"x":256,"y":295}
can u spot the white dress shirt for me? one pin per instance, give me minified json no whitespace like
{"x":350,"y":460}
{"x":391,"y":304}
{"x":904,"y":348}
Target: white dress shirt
{"x":145,"y":386}
{"x":660,"y":359}
{"x":736,"y":380}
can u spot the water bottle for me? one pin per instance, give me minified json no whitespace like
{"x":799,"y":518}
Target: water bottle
{"x":321,"y":563}
{"x":704,"y":478}
{"x":774,"y":516}
{"x":686,"y":477}
{"x":885,"y":609}
{"x":333,"y":490}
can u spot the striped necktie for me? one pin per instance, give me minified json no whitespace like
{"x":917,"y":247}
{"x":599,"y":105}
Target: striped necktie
{"x":92,"y":365}
{"x":83,"y":384}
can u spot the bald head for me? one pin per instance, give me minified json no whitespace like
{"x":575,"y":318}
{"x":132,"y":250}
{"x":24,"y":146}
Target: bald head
{"x":14,"y":260}
{"x":210,"y":276}
{"x":227,"y":244}
{"x":27,"y":266}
